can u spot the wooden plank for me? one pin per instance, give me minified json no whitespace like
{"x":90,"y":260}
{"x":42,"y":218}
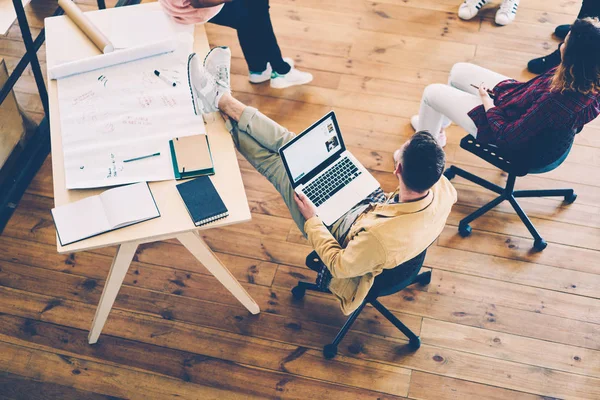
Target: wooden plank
{"x":512,"y":347}
{"x":78,"y":373}
{"x":431,"y":359}
{"x":95,"y":265}
{"x":516,"y":248}
{"x":495,"y":317}
{"x":189,"y":298}
{"x":187,"y":367}
{"x":425,"y":386}
{"x":540,"y":301}
{"x":508,"y":270}
{"x":551,"y":231}
{"x":214,"y":343}
{"x":15,"y":387}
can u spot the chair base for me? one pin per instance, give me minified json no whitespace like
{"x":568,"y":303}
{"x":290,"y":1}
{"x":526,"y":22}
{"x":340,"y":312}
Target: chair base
{"x":507,"y":194}
{"x":330,"y":350}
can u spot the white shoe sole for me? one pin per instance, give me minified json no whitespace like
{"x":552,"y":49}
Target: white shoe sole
{"x":255,"y":79}
{"x":195,"y":101}
{"x":282,"y":83}
{"x":267,"y":77}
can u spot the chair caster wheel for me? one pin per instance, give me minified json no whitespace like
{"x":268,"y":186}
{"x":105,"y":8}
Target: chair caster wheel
{"x":298,"y":292}
{"x":414,"y":344}
{"x":464,"y":230}
{"x":540,"y":245}
{"x":329,"y":351}
{"x":449,"y":174}
{"x":570,"y":199}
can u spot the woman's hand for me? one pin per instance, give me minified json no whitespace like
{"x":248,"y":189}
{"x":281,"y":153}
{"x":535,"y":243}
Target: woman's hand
{"x":485,"y":97}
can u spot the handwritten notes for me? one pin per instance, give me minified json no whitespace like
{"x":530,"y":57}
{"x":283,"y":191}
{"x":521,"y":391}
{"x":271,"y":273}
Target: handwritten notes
{"x":112,"y":114}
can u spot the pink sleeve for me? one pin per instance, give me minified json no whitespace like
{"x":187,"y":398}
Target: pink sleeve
{"x":183,"y":12}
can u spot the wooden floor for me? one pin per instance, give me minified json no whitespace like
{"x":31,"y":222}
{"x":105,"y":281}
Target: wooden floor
{"x":497,"y":321}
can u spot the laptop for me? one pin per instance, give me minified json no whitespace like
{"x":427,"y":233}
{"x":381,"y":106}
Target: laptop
{"x":319,"y":166}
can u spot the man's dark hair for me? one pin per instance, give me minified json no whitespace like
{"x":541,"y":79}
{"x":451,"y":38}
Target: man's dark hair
{"x":423,"y":162}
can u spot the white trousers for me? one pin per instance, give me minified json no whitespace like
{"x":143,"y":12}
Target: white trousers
{"x":442,"y":104}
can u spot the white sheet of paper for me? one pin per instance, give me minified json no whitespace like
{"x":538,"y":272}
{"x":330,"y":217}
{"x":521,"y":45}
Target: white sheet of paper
{"x":128,"y":204}
{"x":81,"y":219}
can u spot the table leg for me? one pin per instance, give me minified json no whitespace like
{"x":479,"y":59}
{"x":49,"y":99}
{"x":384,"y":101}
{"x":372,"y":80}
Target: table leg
{"x":117,"y":273}
{"x":194,"y":243}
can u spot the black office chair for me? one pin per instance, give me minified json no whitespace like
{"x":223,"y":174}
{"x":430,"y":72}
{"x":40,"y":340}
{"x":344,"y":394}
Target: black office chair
{"x":529,"y":162}
{"x":390,"y":281}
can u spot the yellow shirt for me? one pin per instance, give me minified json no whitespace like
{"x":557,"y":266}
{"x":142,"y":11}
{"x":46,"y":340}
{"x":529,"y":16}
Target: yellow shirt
{"x":383,"y":237}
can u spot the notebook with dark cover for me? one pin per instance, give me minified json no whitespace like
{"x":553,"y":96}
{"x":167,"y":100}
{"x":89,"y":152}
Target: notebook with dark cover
{"x":202,"y":200}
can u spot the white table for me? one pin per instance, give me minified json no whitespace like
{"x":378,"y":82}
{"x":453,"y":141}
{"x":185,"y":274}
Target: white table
{"x":67,"y":43}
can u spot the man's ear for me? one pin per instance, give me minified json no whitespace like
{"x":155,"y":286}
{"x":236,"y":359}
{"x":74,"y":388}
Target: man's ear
{"x":398,"y":170}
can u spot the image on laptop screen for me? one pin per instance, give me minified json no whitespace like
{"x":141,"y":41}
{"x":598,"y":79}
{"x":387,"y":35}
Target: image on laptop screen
{"x":313,"y":148}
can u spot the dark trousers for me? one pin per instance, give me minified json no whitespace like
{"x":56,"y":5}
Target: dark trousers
{"x":589,"y":8}
{"x":252,"y":21}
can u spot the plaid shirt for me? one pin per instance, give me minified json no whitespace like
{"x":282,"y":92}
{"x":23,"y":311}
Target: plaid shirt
{"x":524,"y":110}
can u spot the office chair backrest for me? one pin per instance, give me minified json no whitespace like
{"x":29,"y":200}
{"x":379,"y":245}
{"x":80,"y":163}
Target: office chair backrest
{"x":393,"y":280}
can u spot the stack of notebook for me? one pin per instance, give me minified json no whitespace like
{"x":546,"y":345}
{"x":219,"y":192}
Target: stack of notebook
{"x":202,"y":200}
{"x":191,"y":156}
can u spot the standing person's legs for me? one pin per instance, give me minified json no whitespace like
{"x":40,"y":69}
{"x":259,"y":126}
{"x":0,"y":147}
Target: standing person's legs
{"x":260,"y":25}
{"x":444,"y":103}
{"x":252,"y":21}
{"x":589,"y":8}
{"x":258,"y":139}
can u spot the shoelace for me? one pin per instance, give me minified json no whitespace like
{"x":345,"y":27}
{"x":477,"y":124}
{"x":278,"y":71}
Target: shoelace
{"x":509,"y":6}
{"x":222,"y":75}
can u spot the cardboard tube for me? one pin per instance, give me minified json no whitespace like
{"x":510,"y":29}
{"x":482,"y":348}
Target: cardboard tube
{"x":114,"y":58}
{"x":87,"y":27}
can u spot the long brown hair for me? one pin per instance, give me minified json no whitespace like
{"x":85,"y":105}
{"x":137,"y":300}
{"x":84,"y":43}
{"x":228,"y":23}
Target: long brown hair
{"x":579,"y":70}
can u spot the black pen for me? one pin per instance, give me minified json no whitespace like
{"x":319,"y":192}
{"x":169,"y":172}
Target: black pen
{"x":170,"y":82}
{"x":489,"y":91}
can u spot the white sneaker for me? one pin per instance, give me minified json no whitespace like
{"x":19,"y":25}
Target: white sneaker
{"x":507,"y":12}
{"x":292,"y":78}
{"x":205,"y":89}
{"x":469,"y":8}
{"x":441,"y":136}
{"x":260,"y":77}
{"x":218,"y":63}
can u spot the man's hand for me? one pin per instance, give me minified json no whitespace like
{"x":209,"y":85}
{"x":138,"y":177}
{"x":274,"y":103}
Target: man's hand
{"x":305,"y":206}
{"x":485,"y":97}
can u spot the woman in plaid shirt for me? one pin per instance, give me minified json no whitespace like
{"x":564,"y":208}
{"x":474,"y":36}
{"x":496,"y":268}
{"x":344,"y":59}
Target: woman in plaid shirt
{"x":521,"y":116}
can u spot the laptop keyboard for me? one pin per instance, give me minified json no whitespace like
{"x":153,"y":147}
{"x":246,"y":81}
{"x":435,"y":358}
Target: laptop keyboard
{"x":331,"y":182}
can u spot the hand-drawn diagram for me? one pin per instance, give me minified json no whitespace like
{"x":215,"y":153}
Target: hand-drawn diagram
{"x":115,"y":113}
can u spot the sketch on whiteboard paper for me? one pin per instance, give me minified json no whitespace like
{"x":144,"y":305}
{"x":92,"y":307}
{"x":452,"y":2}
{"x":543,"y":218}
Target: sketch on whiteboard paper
{"x":115,"y":113}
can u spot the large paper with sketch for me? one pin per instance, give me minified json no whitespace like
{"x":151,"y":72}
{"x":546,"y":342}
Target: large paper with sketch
{"x":125,"y":111}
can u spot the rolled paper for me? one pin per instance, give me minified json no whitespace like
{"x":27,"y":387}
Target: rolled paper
{"x":86,"y":26}
{"x":114,"y":58}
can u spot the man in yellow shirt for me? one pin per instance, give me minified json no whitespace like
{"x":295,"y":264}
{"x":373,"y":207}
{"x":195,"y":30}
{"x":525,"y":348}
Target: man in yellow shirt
{"x":381,"y":232}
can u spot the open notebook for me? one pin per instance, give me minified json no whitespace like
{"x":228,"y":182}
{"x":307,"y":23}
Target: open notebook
{"x":110,"y":210}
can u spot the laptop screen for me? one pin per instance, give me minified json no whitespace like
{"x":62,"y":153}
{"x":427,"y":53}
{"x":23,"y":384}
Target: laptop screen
{"x":312,"y":148}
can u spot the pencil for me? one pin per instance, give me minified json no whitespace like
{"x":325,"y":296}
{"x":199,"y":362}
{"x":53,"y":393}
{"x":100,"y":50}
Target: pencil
{"x":142,"y":157}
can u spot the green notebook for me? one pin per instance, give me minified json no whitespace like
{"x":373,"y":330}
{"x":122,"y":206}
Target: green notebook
{"x":191,"y":156}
